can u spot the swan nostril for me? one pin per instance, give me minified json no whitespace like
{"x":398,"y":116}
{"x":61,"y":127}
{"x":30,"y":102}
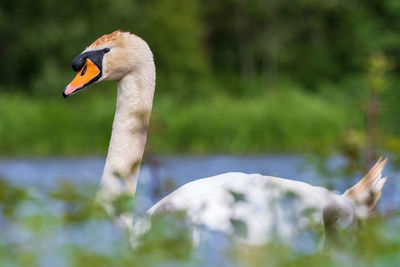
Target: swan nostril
{"x":84,"y":70}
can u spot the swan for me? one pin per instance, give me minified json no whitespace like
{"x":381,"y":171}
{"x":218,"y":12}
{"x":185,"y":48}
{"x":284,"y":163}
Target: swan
{"x":266,"y":205}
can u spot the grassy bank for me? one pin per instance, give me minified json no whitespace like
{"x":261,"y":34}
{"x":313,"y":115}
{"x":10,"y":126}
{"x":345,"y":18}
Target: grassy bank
{"x":280,"y":120}
{"x":274,"y":121}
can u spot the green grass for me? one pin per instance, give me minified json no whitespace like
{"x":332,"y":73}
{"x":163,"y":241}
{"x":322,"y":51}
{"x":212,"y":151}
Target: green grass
{"x":274,"y":121}
{"x":32,"y":126}
{"x":279,"y":120}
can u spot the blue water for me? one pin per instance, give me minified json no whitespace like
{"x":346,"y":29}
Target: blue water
{"x":161,"y":175}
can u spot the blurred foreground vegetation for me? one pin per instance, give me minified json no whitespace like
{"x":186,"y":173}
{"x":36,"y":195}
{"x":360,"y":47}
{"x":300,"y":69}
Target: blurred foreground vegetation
{"x":61,"y":227}
{"x":248,"y":76}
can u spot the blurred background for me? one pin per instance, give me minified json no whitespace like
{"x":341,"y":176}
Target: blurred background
{"x":233,"y":76}
{"x":305,"y":89}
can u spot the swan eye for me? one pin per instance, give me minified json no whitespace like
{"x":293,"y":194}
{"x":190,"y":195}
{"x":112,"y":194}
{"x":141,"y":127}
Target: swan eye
{"x":84,"y":70}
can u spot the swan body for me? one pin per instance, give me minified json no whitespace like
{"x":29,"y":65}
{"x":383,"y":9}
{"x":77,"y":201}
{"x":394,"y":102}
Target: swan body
{"x":271,"y":207}
{"x":266,"y":205}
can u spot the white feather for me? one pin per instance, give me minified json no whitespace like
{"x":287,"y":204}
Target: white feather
{"x":270,"y":207}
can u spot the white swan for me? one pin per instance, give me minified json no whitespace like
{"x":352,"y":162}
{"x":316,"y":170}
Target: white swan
{"x":267,"y":205}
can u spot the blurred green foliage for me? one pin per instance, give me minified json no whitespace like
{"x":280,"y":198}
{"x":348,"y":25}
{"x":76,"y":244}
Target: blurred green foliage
{"x":40,"y":39}
{"x":309,"y":41}
{"x":60,"y":227}
{"x":233,"y":76}
{"x":82,"y":124}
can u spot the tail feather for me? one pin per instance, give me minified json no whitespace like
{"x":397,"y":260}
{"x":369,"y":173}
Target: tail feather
{"x":366,"y":193}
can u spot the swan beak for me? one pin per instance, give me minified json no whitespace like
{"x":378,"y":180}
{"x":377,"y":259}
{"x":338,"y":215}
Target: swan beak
{"x":87,"y":75}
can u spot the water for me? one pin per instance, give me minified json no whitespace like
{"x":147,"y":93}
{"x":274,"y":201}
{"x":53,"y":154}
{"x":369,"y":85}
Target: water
{"x":161,"y":175}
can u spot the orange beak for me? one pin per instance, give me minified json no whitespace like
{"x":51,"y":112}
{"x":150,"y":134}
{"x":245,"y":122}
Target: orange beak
{"x":87,"y":75}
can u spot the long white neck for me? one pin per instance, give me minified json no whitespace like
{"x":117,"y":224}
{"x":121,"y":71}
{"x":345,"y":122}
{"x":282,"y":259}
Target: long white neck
{"x":128,"y":138}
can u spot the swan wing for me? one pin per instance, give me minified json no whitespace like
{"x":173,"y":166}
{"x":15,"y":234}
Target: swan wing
{"x":266,"y":205}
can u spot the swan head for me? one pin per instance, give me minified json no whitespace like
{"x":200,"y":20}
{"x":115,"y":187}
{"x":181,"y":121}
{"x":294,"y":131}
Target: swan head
{"x":110,"y":57}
